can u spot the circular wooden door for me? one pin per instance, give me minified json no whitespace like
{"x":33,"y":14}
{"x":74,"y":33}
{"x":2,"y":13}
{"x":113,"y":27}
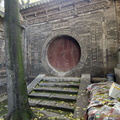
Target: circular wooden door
{"x":63,"y":53}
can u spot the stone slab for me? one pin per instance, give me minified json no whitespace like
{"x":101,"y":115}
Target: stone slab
{"x":35,"y":82}
{"x":60,"y":84}
{"x":47,"y":89}
{"x":117,"y":75}
{"x":64,"y":105}
{"x":40,"y":95}
{"x":56,"y":89}
{"x":63,"y":97}
{"x":52,"y":104}
{"x":70,"y":90}
{"x":96,"y":79}
{"x":53,"y":115}
{"x":62,"y":79}
{"x":34,"y":102}
{"x":53,"y":96}
{"x":82,"y":98}
{"x":42,"y":103}
{"x":47,"y":103}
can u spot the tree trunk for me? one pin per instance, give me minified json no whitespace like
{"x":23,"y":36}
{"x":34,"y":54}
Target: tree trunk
{"x":18,"y":106}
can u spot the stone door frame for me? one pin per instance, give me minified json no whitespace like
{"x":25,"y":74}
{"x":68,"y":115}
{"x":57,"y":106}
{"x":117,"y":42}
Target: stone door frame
{"x":54,"y":35}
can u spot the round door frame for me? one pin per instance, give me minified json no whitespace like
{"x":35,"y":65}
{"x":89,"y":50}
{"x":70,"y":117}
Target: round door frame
{"x":55,"y":35}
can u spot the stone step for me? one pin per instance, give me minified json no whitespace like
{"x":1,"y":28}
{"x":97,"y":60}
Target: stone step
{"x":3,"y":97}
{"x":56,"y":90}
{"x":53,"y":96}
{"x":35,"y":82}
{"x":51,"y":115}
{"x":61,"y":79}
{"x":63,"y":97}
{"x":52,"y":105}
{"x":62,"y":84}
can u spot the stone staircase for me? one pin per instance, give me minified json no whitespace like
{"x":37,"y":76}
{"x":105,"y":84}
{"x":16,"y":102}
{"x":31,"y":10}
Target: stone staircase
{"x":54,"y":97}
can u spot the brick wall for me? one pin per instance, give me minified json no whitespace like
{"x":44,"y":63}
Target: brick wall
{"x":94,"y":25}
{"x":2,"y":46}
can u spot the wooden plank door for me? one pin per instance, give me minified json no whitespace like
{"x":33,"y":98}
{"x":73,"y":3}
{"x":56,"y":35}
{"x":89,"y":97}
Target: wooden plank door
{"x":64,"y":53}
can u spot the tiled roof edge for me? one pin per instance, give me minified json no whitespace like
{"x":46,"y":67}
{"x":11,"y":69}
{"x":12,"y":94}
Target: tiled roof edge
{"x":34,"y":4}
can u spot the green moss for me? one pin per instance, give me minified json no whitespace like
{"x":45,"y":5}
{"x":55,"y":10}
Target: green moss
{"x":18,"y":101}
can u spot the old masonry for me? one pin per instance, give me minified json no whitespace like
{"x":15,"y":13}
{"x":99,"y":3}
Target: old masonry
{"x":67,"y":38}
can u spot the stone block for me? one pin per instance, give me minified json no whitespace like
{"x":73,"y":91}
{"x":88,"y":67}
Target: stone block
{"x":117,"y":75}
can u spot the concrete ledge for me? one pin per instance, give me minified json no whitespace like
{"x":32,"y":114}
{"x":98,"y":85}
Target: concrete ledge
{"x":117,"y":75}
{"x":95,"y":79}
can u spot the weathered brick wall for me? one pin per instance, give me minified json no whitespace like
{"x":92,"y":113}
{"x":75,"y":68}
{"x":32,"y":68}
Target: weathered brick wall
{"x":118,"y":19}
{"x":94,"y":24}
{"x":2,"y":46}
{"x":117,"y":69}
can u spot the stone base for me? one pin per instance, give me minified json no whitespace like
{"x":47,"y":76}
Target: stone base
{"x":118,"y":66}
{"x":117,"y":74}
